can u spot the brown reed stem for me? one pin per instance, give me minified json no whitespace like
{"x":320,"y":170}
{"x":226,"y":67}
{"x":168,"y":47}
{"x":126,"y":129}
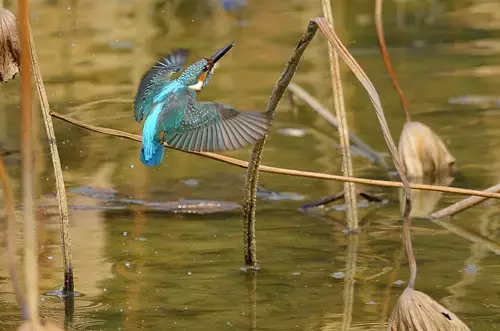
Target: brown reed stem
{"x":11,"y":237}
{"x":345,"y":147}
{"x":30,"y":262}
{"x":280,"y":171}
{"x":387,"y":58}
{"x":463,"y":204}
{"x":332,"y":37}
{"x":250,"y":200}
{"x":62,"y":203}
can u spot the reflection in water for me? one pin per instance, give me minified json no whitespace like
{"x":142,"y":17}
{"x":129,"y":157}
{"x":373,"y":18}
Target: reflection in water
{"x":425,"y":202}
{"x":479,"y":251}
{"x":352,"y":251}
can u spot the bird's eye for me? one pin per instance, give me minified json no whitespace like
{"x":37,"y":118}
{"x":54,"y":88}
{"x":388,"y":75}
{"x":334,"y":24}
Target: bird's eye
{"x":205,"y":67}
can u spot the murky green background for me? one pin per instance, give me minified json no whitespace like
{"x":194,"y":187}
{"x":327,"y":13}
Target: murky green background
{"x":161,"y":271}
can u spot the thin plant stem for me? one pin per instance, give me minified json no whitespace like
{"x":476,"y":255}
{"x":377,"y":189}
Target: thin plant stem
{"x":281,"y":171}
{"x":30,"y":251}
{"x":11,"y":237}
{"x":250,"y":200}
{"x":315,"y":105}
{"x":463,"y":204}
{"x":345,"y":147}
{"x":62,"y":203}
{"x":329,"y":33}
{"x":387,"y":59}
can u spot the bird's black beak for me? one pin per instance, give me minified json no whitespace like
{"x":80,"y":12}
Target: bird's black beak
{"x":220,"y":53}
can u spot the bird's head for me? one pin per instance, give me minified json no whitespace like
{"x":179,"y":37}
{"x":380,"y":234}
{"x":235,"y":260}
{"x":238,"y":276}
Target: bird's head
{"x":197,"y":75}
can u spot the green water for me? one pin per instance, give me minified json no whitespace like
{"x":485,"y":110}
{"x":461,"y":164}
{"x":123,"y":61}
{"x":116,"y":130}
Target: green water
{"x":140,"y":270}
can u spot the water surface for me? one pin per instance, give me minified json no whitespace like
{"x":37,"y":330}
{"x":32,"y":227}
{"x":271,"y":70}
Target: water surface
{"x":144,"y":269}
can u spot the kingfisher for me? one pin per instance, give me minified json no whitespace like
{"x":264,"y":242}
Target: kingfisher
{"x":174,"y":116}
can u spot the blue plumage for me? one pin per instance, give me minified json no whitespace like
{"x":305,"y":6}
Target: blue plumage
{"x":174,"y":116}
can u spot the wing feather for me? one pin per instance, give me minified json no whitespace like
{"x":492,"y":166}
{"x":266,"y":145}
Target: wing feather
{"x":213,"y":127}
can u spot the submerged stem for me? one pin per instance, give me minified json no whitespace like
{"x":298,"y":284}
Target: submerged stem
{"x":250,"y":201}
{"x":56,"y":162}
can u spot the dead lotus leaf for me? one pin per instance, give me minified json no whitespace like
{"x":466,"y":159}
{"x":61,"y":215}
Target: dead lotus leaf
{"x":45,"y":326}
{"x":417,"y":311}
{"x":423,"y":152}
{"x":9,"y":46}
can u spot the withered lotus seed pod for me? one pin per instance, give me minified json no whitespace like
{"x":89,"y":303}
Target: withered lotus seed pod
{"x":9,"y":46}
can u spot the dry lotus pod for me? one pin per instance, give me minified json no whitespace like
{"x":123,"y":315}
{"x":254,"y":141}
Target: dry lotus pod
{"x":9,"y":46}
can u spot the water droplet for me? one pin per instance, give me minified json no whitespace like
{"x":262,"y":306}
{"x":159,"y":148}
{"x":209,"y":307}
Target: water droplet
{"x":189,"y":273}
{"x":105,"y":290}
{"x":399,"y":282}
{"x":50,"y":257}
{"x":127,"y":264}
{"x":131,"y":165}
{"x":69,"y":7}
{"x":296,"y":273}
{"x":125,"y":233}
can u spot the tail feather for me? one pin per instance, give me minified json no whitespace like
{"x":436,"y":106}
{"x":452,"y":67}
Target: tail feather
{"x":155,"y":156}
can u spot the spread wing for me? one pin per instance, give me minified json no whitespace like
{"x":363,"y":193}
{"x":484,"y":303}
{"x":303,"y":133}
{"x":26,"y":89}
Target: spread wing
{"x":160,"y":73}
{"x":210,"y":127}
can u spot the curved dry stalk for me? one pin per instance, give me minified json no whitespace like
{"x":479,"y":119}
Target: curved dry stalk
{"x":345,"y":147}
{"x":11,"y":237}
{"x":30,"y":262}
{"x":329,"y":33}
{"x":62,"y":203}
{"x":463,"y":204}
{"x":315,"y":105}
{"x":250,"y":200}
{"x":280,"y":171}
{"x":387,"y":58}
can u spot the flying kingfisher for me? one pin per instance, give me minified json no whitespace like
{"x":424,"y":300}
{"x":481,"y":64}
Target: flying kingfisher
{"x":174,"y":116}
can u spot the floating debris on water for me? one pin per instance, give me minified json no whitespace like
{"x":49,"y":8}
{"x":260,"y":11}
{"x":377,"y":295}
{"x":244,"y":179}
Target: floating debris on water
{"x":399,"y":282}
{"x":191,"y":182}
{"x":277,"y":196}
{"x":292,"y":132}
{"x":338,"y":275}
{"x":474,"y":100}
{"x":471,"y":269}
{"x":121,"y":44}
{"x":121,"y":202}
